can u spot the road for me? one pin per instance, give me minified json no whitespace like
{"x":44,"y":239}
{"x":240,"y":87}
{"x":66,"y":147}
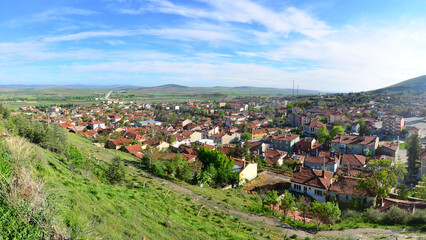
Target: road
{"x":108,"y":94}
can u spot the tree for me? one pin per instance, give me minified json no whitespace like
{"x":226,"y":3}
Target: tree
{"x":180,"y":168}
{"x":218,"y":160}
{"x":304,"y":206}
{"x":327,"y":211}
{"x":271,"y":198}
{"x":116,"y":172}
{"x":363,"y":128}
{"x":421,"y":188}
{"x":246,"y":136}
{"x":403,"y":192}
{"x":171,"y":139}
{"x":384,"y":177}
{"x":414,"y":146}
{"x":287,"y":202}
{"x":337,"y":130}
{"x":323,"y":134}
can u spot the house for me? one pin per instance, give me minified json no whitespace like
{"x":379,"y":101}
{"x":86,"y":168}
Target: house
{"x":312,"y":128}
{"x":185,"y":122}
{"x":192,"y":135}
{"x":285,"y":142}
{"x":344,"y":190}
{"x":116,"y":143}
{"x":135,"y":150}
{"x":355,"y":144}
{"x":323,"y":160}
{"x":155,"y":143}
{"x":307,"y":145}
{"x":353,"y":161}
{"x":258,"y":133}
{"x":274,"y":156}
{"x":247,"y":170}
{"x":337,"y":117}
{"x":391,"y":149}
{"x":311,"y":182}
{"x":95,"y":125}
{"x":221,"y":138}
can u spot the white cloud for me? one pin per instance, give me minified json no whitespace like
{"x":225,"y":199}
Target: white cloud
{"x":242,"y":11}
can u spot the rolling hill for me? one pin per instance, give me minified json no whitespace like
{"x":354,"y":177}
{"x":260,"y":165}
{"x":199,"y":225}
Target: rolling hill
{"x":417,"y":85}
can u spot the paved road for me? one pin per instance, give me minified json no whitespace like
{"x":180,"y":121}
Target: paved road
{"x":108,"y":94}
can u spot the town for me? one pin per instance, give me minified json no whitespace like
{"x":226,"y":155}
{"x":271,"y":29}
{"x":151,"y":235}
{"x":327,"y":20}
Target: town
{"x":321,"y":151}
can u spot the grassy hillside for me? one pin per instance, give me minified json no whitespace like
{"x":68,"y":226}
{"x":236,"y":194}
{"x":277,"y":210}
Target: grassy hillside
{"x":417,"y":84}
{"x":85,"y":206}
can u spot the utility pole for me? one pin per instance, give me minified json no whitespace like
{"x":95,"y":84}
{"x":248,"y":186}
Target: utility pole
{"x":293,"y":90}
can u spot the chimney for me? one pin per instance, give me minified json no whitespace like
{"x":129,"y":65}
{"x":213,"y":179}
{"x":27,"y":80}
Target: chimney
{"x":323,"y":173}
{"x":244,"y":163}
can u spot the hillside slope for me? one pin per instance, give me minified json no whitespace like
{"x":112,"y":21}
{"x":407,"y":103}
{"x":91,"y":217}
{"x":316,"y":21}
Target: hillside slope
{"x":85,"y":206}
{"x":417,"y":84}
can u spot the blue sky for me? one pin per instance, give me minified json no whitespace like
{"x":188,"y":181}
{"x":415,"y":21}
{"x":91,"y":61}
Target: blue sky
{"x":322,"y":45}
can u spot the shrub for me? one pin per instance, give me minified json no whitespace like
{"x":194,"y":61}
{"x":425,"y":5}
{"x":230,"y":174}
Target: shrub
{"x":418,"y":217}
{"x":373,"y":215}
{"x":116,"y":173}
{"x":395,"y":215}
{"x":349,"y":213}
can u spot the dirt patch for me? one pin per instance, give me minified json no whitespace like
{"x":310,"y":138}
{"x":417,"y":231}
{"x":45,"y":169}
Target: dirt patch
{"x":268,"y":180}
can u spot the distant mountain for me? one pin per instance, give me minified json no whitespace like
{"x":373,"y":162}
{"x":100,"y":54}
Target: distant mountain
{"x":170,"y":86}
{"x":417,"y":84}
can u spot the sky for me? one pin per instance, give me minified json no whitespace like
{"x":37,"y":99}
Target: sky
{"x":330,"y":45}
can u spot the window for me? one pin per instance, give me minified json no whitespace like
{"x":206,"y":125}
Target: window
{"x":318,"y":192}
{"x":305,"y":189}
{"x":297,"y":187}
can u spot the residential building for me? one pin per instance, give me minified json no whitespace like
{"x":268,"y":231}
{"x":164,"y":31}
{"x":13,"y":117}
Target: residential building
{"x":311,"y":182}
{"x":355,"y":144}
{"x":247,"y":170}
{"x":285,"y":142}
{"x":323,"y":160}
{"x":344,"y":190}
{"x":392,"y":126}
{"x":353,"y":161}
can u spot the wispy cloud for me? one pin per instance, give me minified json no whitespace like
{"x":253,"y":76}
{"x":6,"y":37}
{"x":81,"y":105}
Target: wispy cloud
{"x":284,"y":22}
{"x":54,"y":14}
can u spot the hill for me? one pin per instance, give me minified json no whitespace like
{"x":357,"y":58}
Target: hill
{"x":416,"y":85}
{"x":76,"y":202}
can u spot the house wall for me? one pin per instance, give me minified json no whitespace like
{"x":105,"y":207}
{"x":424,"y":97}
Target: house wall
{"x":249,"y":173}
{"x":196,"y":136}
{"x":110,"y":145}
{"x":346,"y":199}
{"x":310,"y":191}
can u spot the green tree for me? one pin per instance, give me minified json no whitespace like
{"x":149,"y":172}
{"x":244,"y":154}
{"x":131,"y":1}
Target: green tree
{"x":180,"y":168}
{"x":384,"y":177}
{"x":327,"y":211}
{"x":323,"y":135}
{"x":403,"y":192}
{"x":414,"y":147}
{"x":246,"y":136}
{"x":304,"y":206}
{"x":116,"y":172}
{"x":287,"y":202}
{"x":271,"y":199}
{"x":218,"y":160}
{"x":337,"y":130}
{"x":421,"y":188}
{"x":171,"y":139}
{"x":363,"y":128}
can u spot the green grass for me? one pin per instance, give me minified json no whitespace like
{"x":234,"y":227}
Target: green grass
{"x":85,"y":203}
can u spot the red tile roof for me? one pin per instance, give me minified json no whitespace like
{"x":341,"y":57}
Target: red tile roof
{"x":311,"y":177}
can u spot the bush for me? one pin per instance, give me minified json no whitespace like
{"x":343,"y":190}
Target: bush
{"x":349,"y":213}
{"x":395,"y":215}
{"x":418,"y":217}
{"x":116,"y":173}
{"x":373,"y":215}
